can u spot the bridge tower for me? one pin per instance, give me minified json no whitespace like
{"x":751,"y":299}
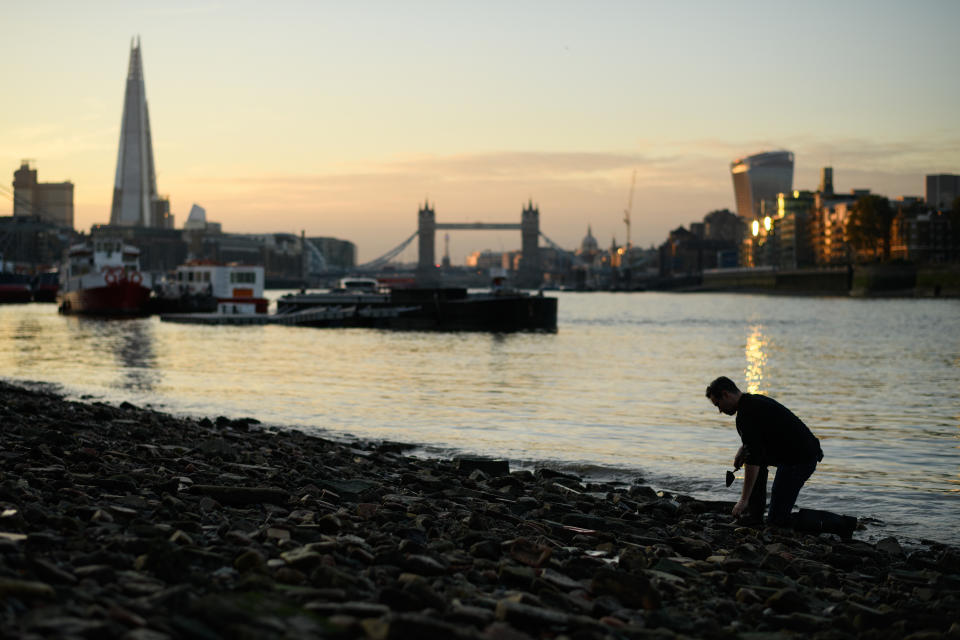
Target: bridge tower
{"x":530,"y":272}
{"x":426,"y":237}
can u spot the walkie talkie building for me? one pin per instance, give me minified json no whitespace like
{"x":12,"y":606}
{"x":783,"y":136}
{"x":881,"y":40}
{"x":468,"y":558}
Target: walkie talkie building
{"x":758,"y":179}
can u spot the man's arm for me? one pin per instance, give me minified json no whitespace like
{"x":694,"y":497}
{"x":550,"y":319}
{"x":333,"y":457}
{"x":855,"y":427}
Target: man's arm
{"x":750,"y":472}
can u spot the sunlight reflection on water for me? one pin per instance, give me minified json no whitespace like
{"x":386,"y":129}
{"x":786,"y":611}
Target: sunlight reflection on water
{"x":755,"y":360}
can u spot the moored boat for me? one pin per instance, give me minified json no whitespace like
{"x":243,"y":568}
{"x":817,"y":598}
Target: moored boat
{"x":421,"y":309}
{"x":209,"y":286}
{"x":14,"y":287}
{"x":102,"y":277}
{"x":45,"y":286}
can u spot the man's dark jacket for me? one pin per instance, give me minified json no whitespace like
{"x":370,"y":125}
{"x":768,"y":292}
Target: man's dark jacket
{"x":772,"y":434}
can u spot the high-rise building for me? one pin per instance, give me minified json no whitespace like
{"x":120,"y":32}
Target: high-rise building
{"x":758,"y":179}
{"x":942,"y":190}
{"x":795,"y":211}
{"x":135,"y":199}
{"x":52,"y":202}
{"x":826,"y":181}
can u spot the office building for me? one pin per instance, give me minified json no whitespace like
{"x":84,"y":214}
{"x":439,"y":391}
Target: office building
{"x":758,"y":179}
{"x":135,"y":199}
{"x":795,"y":213}
{"x":51,"y":202}
{"x":723,"y":225}
{"x":942,"y":190}
{"x":485,"y":260}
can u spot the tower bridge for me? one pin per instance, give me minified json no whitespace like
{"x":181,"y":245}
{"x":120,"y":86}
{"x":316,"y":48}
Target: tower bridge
{"x":530,"y":272}
{"x":530,"y":269}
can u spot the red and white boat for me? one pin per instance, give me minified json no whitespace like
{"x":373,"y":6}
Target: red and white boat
{"x":102,"y":277}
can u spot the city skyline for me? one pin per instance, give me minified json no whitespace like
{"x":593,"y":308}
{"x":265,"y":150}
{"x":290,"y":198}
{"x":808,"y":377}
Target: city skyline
{"x":340,"y":121}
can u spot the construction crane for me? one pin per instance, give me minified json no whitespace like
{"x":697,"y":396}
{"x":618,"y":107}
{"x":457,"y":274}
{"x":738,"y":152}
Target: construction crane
{"x":626,"y":212}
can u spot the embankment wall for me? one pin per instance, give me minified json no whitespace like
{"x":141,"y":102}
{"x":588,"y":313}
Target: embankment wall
{"x":860,"y":281}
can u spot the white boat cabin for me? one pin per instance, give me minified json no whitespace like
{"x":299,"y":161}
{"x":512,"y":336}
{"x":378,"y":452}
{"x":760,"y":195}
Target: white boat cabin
{"x":104,"y":260}
{"x":237,"y":288}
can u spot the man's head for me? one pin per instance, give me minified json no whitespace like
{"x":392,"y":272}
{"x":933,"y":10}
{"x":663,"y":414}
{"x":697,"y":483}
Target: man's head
{"x":724,"y":395}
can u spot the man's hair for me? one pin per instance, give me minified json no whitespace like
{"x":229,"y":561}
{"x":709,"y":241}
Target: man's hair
{"x":721,"y":384}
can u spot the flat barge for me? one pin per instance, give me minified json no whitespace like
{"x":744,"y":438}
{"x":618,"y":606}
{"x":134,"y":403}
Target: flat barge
{"x":426,"y":309}
{"x":409,"y":309}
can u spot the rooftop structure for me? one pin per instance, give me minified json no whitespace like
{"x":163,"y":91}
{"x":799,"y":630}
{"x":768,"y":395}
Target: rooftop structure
{"x":197,"y":218}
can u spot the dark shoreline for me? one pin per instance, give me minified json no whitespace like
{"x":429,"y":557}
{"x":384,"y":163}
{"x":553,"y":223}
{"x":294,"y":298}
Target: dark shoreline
{"x":122,"y":522}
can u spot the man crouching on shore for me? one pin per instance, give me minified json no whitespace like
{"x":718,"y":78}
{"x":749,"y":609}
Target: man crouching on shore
{"x":772,"y":436}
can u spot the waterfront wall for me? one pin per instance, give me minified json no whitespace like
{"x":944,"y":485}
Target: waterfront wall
{"x":929,"y":281}
{"x":938,"y":281}
{"x":820,"y":281}
{"x":884,"y":279}
{"x":860,"y":281}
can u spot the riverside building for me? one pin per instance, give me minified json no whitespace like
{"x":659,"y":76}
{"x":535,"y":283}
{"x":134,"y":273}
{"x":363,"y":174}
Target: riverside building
{"x":50,"y":202}
{"x":942,"y":190}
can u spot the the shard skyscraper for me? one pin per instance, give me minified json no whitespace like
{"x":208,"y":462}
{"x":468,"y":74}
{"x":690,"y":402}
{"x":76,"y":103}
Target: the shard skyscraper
{"x":135,"y":199}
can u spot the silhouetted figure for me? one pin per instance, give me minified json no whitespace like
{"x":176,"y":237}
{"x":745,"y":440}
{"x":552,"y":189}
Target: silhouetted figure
{"x":772,"y":436}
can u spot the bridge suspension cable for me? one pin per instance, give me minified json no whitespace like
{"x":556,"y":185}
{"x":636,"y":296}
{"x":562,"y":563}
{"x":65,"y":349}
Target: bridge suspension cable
{"x":553,"y":245}
{"x":316,"y":261}
{"x":393,"y":253}
{"x":389,"y":255}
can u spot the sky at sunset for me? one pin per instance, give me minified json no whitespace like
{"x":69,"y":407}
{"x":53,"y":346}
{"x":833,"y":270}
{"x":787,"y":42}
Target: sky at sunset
{"x":340,"y":118}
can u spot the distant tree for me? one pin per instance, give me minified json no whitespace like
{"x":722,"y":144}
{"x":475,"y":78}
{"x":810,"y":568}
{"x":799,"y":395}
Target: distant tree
{"x":871,"y":224}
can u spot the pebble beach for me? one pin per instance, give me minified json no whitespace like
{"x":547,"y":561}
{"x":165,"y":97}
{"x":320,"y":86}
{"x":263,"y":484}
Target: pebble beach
{"x":123,"y":522}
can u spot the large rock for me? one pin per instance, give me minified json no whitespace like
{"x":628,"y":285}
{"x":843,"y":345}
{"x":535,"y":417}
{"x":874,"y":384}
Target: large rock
{"x":242,"y":496}
{"x":490,"y":467}
{"x":631,"y":589}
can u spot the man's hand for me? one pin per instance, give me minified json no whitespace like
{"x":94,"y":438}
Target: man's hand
{"x":738,"y":459}
{"x":739,"y":508}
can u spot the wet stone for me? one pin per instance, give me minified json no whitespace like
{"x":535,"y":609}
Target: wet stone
{"x":11,"y":587}
{"x":631,"y":589}
{"x":488,"y":467}
{"x":787,"y":601}
{"x":528,"y":616}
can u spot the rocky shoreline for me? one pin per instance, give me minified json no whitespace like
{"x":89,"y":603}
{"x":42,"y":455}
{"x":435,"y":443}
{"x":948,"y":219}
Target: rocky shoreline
{"x":122,"y":522}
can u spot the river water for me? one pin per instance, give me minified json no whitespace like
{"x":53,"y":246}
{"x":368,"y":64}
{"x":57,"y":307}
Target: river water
{"x":616,"y":393}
